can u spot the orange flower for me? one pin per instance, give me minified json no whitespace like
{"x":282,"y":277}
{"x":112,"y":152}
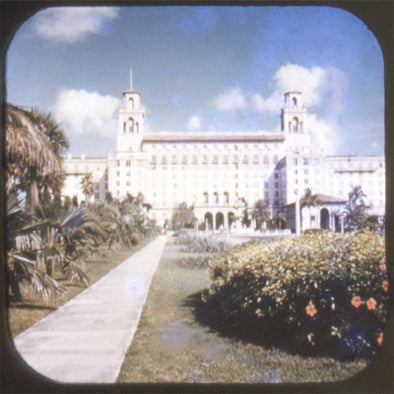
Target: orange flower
{"x":385,"y":285}
{"x":383,"y":267}
{"x":371,"y":304}
{"x":356,"y":301}
{"x":379,"y":339}
{"x":310,"y":310}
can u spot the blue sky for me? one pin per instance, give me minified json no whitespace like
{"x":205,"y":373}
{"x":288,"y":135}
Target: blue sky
{"x":201,"y":69}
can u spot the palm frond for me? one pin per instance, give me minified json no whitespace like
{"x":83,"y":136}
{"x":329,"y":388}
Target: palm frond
{"x":74,"y":271}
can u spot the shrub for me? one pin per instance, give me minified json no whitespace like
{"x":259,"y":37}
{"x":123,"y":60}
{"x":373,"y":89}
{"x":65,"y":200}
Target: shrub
{"x":316,"y":292}
{"x":196,"y":262}
{"x":201,"y":244}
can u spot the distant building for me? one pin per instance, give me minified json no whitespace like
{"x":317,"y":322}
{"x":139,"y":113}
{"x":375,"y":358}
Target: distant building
{"x":222,"y":174}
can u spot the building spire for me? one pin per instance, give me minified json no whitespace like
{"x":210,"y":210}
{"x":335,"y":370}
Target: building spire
{"x":131,"y":79}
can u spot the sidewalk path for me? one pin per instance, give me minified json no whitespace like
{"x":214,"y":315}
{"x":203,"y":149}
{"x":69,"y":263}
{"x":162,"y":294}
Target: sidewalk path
{"x":86,"y":339}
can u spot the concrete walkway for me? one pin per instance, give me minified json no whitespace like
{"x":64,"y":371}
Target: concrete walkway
{"x":86,"y":339}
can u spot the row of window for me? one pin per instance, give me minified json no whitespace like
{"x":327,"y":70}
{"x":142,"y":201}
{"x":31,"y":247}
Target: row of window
{"x":215,"y":148}
{"x":215,"y":160}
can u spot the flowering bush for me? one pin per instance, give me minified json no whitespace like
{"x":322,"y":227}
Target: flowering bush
{"x":324,"y":291}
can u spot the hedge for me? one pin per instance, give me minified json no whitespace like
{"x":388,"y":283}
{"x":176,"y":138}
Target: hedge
{"x":324,"y":292}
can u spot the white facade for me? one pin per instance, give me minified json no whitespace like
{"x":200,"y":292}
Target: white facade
{"x":218,"y":173}
{"x":77,"y":167}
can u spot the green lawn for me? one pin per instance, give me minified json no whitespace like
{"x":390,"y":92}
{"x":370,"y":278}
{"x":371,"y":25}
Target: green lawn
{"x":173,"y":345}
{"x":22,"y":315}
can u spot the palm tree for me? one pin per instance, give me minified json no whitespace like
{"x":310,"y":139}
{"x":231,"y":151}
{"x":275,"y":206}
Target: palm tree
{"x":260,"y":213}
{"x":24,"y":245}
{"x":308,"y":200}
{"x":355,"y":214}
{"x":87,"y":186}
{"x":34,"y":144}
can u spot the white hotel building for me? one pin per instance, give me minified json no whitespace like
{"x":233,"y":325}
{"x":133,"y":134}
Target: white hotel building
{"x":218,"y":173}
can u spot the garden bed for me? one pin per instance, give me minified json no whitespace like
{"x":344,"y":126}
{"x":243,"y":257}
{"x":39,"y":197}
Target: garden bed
{"x":178,"y":340}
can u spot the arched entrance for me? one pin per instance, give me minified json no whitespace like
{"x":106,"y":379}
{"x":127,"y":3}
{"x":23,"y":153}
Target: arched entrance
{"x":219,"y":220}
{"x":208,"y":218}
{"x":231,"y":218}
{"x":324,"y":219}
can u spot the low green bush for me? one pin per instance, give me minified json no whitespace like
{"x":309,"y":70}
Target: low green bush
{"x":201,"y":244}
{"x":317,"y":292}
{"x":199,"y":261}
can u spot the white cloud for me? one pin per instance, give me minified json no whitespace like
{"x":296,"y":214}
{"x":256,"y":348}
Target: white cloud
{"x":80,"y":112}
{"x":231,"y":99}
{"x":324,"y":91}
{"x":324,"y":136}
{"x":72,"y":24}
{"x":320,"y":87}
{"x":194,"y":123}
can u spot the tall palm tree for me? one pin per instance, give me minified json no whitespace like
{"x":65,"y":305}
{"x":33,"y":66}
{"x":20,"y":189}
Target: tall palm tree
{"x":34,"y":144}
{"x":260,"y":213}
{"x":307,"y":200}
{"x":355,"y":213}
{"x":88,"y":186}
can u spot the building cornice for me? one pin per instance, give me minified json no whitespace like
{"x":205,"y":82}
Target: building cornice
{"x":150,"y":138}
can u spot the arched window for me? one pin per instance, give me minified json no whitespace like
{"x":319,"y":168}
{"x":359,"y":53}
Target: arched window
{"x":131,"y":103}
{"x":226,"y":197}
{"x":206,"y":197}
{"x":295,"y":124}
{"x":216,"y":197}
{"x":130,"y":124}
{"x":294,"y":102}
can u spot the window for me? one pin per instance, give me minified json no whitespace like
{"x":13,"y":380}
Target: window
{"x":265,"y":160}
{"x":306,"y":162}
{"x":255,"y":159}
{"x":154,"y":159}
{"x":195,"y":160}
{"x":226,"y":197}
{"x":205,"y":159}
{"x":117,"y":173}
{"x":128,"y":163}
{"x":246,"y":159}
{"x":225,"y":159}
{"x":275,"y":159}
{"x":216,"y":197}
{"x":206,"y":197}
{"x":215,"y":159}
{"x":164,"y":160}
{"x":235,"y":158}
{"x":184,"y":159}
{"x":173,"y":159}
